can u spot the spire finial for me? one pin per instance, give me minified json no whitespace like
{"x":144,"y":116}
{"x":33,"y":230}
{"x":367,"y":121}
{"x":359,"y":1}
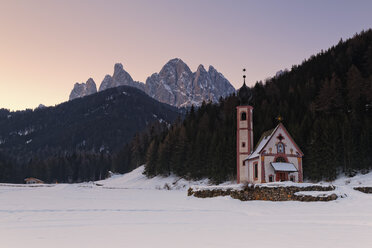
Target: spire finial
{"x":279,"y":118}
{"x":244,"y":76}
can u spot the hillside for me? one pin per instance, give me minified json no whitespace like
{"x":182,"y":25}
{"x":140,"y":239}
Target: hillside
{"x":326,"y":104}
{"x":94,"y":125}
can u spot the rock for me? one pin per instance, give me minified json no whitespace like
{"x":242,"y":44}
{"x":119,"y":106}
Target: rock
{"x":175,"y":84}
{"x":251,"y":192}
{"x":83,"y":89}
{"x":367,"y":190}
{"x":119,"y":78}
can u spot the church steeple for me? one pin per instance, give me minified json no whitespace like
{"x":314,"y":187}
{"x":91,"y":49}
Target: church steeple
{"x":244,"y":93}
{"x":244,"y":134}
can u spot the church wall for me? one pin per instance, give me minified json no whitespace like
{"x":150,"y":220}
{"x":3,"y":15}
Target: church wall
{"x":250,"y":170}
{"x":289,"y":146}
{"x":269,"y":170}
{"x":243,"y":170}
{"x":243,"y":137}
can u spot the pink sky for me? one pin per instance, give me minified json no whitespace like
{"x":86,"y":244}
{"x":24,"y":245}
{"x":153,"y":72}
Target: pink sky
{"x":47,"y":46}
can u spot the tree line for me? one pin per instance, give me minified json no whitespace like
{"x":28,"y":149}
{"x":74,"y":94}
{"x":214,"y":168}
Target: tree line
{"x":326,"y":103}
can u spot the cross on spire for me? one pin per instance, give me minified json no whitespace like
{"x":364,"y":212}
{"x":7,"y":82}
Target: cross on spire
{"x":279,"y":118}
{"x":244,"y":76}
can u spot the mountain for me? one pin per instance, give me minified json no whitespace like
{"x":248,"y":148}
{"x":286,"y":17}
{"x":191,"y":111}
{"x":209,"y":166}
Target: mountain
{"x":103,"y":121}
{"x":83,"y":89}
{"x":175,"y":84}
{"x":119,"y":78}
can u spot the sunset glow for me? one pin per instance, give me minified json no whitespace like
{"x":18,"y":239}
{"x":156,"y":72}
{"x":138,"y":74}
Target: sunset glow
{"x":47,"y":46}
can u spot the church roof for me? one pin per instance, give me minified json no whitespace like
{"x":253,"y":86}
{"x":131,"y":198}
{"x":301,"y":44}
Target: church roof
{"x":265,"y":138}
{"x":282,"y":166}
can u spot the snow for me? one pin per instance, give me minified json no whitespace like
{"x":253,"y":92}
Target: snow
{"x":281,"y":166}
{"x":166,"y":86}
{"x":25,"y":132}
{"x":130,"y":211}
{"x":137,"y":180}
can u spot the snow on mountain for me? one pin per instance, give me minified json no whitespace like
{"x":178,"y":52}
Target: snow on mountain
{"x":83,"y":89}
{"x":175,"y":84}
{"x":41,"y":106}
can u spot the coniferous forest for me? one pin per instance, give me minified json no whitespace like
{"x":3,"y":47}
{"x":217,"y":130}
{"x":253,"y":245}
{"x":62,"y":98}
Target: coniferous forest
{"x":326,"y":103}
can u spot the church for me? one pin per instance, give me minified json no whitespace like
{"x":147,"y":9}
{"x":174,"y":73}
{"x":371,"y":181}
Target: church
{"x":275,"y":158}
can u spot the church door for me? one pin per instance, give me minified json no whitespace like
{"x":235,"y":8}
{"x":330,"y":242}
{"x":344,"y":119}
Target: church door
{"x":281,"y":176}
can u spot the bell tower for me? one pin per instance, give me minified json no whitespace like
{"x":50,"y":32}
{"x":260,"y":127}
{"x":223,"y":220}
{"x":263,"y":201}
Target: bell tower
{"x":244,"y":131}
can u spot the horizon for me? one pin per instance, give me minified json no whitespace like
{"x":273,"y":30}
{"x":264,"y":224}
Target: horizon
{"x":44,"y":53}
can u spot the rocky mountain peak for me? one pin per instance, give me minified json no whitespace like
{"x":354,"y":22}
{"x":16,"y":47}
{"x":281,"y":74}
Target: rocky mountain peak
{"x":119,"y":77}
{"x":118,"y":67}
{"x":201,"y":68}
{"x":175,"y":84}
{"x":83,"y":89}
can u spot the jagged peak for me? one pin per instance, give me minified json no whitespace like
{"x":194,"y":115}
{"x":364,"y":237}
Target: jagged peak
{"x":201,"y":68}
{"x":176,"y":61}
{"x":107,"y":77}
{"x":118,"y":67}
{"x":212,"y":69}
{"x":90,"y":81}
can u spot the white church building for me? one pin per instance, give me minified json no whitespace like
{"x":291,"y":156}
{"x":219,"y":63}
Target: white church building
{"x":276,"y":157}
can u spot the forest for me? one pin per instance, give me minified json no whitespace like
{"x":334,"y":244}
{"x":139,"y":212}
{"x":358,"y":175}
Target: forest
{"x":74,"y":141}
{"x":326,"y":103}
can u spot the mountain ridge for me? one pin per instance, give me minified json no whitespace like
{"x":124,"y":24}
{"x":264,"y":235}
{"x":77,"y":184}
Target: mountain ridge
{"x":175,"y":84}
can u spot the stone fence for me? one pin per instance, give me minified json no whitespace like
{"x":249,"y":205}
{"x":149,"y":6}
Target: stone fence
{"x":268,"y":193}
{"x":367,"y":190}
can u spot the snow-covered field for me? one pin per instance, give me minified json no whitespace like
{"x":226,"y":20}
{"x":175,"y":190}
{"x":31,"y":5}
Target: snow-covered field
{"x":131,"y":211}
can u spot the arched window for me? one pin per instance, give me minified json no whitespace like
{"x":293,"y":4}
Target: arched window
{"x":280,"y":159}
{"x":243,"y":116}
{"x":280,"y":147}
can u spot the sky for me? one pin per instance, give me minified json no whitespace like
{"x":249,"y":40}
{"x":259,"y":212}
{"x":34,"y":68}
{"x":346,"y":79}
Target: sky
{"x":47,"y":45}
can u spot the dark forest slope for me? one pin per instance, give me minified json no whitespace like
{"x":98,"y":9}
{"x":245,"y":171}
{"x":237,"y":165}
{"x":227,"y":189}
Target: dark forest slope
{"x":97,"y":124}
{"x":326,"y":104}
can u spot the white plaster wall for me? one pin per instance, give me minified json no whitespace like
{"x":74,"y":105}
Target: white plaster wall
{"x":287,"y":141}
{"x":243,"y":137}
{"x":295,"y":162}
{"x":251,"y":171}
{"x":243,"y":170}
{"x":270,"y":170}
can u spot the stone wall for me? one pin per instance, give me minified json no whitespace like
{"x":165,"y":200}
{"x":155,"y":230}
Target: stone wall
{"x":251,"y":192}
{"x":367,"y":190}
